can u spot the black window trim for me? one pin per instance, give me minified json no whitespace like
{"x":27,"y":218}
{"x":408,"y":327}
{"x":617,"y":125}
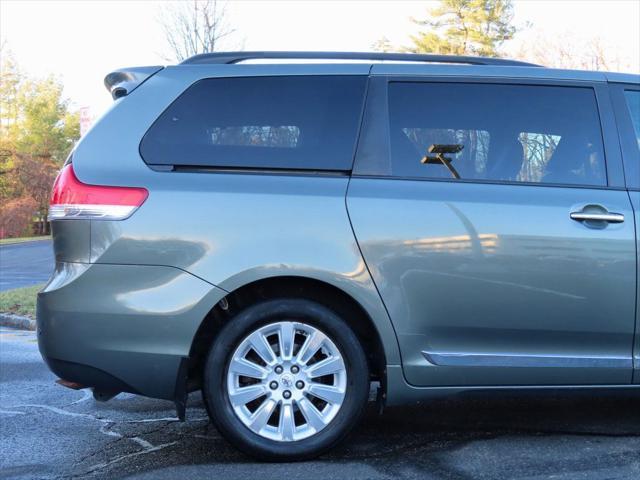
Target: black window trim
{"x":625,"y":129}
{"x":608,"y":132}
{"x":257,"y":170}
{"x":164,"y":168}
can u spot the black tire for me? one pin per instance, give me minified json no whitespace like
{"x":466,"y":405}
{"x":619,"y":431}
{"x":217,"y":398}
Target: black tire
{"x":264,"y":313}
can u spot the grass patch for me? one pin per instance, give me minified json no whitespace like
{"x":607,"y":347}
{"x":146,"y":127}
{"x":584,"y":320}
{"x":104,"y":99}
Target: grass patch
{"x":4,"y":241}
{"x":21,"y":301}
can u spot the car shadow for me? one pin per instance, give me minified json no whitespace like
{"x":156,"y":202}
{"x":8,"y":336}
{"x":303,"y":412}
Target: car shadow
{"x":483,"y":435}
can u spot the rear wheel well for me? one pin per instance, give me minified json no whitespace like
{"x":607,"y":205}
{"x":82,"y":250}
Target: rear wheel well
{"x":287,"y":287}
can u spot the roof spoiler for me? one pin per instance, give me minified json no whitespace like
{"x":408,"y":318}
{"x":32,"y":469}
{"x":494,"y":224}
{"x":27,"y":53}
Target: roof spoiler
{"x":122,"y":82}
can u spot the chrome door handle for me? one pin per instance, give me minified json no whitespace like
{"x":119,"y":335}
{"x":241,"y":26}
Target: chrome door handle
{"x":597,"y":217}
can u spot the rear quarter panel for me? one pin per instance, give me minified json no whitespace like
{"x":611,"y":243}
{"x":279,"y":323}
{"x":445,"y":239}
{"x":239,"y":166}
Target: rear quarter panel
{"x":227,"y":229}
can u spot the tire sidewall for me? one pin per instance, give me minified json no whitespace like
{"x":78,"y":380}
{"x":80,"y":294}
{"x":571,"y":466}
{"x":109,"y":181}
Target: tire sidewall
{"x":249,"y":320}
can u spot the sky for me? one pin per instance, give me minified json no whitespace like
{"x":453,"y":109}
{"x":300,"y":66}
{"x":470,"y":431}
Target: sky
{"x":81,"y":41}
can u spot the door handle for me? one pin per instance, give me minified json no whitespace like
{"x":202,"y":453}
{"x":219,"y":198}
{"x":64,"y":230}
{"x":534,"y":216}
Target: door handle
{"x":605,"y":216}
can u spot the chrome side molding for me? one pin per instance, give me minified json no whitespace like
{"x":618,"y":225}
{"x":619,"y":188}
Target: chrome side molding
{"x":463,"y":359}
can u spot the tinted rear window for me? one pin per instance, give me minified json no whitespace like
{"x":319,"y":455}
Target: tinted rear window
{"x":297,"y":122}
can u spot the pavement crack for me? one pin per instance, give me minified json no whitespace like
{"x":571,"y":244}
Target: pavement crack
{"x":103,"y":465}
{"x":57,"y":410}
{"x":106,"y":428}
{"x":88,"y":395}
{"x":167,"y":419}
{"x":151,"y":420}
{"x":12,"y":412}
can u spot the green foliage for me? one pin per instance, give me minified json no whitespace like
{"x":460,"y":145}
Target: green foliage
{"x":37,"y":131}
{"x":383,"y":45}
{"x":35,"y":119}
{"x":465,"y":27}
{"x":9,"y":241}
{"x":46,"y":128}
{"x":21,"y":301}
{"x":10,"y":79}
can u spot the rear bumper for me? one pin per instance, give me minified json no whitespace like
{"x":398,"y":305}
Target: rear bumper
{"x":122,"y":327}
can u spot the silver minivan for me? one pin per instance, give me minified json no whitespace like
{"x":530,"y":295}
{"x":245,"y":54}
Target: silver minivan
{"x":293,"y":238}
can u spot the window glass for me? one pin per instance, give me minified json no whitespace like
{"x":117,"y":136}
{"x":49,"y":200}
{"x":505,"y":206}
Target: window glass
{"x":515,"y":133}
{"x":537,"y":150}
{"x":633,"y":102}
{"x":257,"y":136}
{"x":472,"y":159}
{"x":291,"y":122}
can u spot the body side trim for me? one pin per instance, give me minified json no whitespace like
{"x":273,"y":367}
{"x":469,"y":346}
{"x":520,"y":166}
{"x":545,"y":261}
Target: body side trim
{"x":464,"y":359}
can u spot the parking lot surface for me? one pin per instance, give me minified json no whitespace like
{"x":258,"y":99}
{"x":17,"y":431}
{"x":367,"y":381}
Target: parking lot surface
{"x":25,"y":264}
{"x":50,"y":432}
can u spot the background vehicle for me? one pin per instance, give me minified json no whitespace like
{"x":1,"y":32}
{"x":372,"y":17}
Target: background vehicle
{"x":280,"y":236}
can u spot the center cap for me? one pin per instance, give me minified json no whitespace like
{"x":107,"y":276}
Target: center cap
{"x":287,"y":381}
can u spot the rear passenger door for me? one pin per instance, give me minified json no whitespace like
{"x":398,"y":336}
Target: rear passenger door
{"x":626,"y":99}
{"x":494,"y":220}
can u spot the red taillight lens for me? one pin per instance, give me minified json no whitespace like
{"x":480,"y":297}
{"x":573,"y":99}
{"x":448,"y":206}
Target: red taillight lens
{"x":71,"y":198}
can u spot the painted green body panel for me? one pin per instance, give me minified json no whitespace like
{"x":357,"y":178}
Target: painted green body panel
{"x":635,"y":202}
{"x":134,"y":322}
{"x":499,"y":270}
{"x":231,"y":230}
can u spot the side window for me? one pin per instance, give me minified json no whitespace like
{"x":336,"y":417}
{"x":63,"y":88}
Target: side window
{"x":633,"y":103}
{"x":288,"y":122}
{"x":514,"y":133}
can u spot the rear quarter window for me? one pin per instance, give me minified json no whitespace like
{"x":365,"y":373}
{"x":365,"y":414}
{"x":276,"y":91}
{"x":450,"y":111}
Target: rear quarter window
{"x":633,"y":103}
{"x":288,"y":122}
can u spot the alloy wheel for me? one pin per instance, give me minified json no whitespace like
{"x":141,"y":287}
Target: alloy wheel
{"x":286,"y":381}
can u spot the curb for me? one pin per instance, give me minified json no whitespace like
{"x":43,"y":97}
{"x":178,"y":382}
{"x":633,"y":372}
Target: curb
{"x":17,"y":321}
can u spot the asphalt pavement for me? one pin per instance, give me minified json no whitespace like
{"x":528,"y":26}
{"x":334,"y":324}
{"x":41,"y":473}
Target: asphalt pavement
{"x":25,"y":264}
{"x":50,"y":432}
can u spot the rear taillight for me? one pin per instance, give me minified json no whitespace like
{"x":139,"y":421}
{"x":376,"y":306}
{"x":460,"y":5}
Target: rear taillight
{"x":71,"y":198}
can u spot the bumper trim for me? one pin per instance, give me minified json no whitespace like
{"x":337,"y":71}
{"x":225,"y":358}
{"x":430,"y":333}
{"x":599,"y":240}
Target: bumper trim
{"x":86,"y":376}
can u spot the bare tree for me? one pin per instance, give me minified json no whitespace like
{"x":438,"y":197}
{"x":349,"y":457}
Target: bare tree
{"x":569,"y":50}
{"x":195,"y":26}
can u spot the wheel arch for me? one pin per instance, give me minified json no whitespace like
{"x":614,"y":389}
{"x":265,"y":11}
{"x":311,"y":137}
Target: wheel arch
{"x":332,"y":296}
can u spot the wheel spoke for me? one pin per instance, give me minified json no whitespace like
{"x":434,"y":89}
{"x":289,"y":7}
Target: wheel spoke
{"x":279,"y":384}
{"x":287,"y":426}
{"x":286,"y":335}
{"x":311,"y":414}
{"x":327,"y":393}
{"x":244,"y":395}
{"x":324,"y":367}
{"x":261,"y":346}
{"x":310,"y":346}
{"x":261,"y":416}
{"x":242,"y":366}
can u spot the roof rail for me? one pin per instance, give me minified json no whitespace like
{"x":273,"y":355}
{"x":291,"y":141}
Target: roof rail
{"x":236,"y":57}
